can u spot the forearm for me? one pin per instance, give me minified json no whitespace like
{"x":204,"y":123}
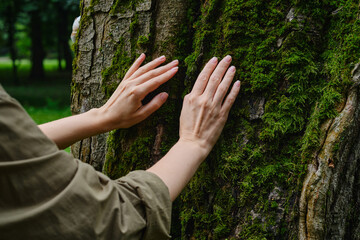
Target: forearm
{"x":67,"y":131}
{"x":179,"y":165}
{"x":203,"y":116}
{"x":124,"y":108}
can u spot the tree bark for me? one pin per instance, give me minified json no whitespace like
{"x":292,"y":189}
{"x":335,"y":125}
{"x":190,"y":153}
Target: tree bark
{"x":287,"y":163}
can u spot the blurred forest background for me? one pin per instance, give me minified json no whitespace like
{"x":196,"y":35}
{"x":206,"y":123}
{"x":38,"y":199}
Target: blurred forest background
{"x":36,"y":56}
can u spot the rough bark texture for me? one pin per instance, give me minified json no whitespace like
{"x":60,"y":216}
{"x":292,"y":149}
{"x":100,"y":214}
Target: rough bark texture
{"x":286,"y":166}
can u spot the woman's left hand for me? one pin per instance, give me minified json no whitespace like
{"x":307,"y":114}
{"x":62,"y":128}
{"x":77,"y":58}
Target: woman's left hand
{"x":124,"y":108}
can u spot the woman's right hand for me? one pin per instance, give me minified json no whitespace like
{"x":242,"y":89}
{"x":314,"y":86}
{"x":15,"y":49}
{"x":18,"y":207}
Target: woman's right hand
{"x":202,"y":119}
{"x":205,"y":111}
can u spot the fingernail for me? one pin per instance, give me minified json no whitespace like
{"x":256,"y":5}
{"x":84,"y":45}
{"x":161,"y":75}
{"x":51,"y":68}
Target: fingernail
{"x":237,"y":83}
{"x":228,"y":58}
{"x":213,"y":60}
{"x":232,"y":69}
{"x":175,"y":61}
{"x":142,"y":55}
{"x":174,"y":69}
{"x":164,"y":96}
{"x":162,"y":58}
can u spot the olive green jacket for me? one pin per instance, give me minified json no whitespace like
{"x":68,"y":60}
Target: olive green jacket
{"x":47,"y":194}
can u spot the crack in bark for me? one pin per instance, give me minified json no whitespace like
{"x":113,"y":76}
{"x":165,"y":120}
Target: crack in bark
{"x":156,"y":152}
{"x":93,"y":51}
{"x":323,"y":142}
{"x":80,"y":147}
{"x":90,"y":151}
{"x":313,"y":214}
{"x":103,"y":32}
{"x":343,"y":186}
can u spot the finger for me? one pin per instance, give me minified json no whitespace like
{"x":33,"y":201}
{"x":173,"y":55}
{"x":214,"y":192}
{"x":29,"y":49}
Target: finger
{"x":155,"y":72}
{"x":129,"y":73}
{"x":230,"y":99}
{"x":204,"y":76}
{"x":217,"y":76}
{"x":149,"y":66}
{"x":135,"y":66}
{"x":149,"y":86}
{"x":146,"y":110}
{"x":224,"y":85}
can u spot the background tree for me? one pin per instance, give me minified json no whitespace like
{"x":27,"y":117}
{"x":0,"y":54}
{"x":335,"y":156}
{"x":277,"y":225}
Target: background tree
{"x":35,"y":10}
{"x":10,"y":10}
{"x":287,"y":163}
{"x":63,"y":31}
{"x":37,"y":29}
{"x":62,"y":15}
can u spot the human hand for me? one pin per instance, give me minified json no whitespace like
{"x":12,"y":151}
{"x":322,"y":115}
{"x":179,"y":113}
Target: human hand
{"x":205,"y":111}
{"x":124,"y":108}
{"x":202,"y":119}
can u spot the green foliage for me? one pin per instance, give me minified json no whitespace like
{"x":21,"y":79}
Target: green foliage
{"x":53,"y":77}
{"x":20,"y":12}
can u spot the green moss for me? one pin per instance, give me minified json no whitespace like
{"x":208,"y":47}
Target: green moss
{"x":117,"y":70}
{"x":131,"y":149}
{"x":302,"y":68}
{"x":124,"y":158}
{"x":121,"y":6}
{"x":134,"y":24}
{"x":342,"y":52}
{"x":143,"y":41}
{"x":302,"y":83}
{"x":94,"y":2}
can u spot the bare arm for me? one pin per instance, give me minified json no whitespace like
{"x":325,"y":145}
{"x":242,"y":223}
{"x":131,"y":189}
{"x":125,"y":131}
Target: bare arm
{"x":202,"y":119}
{"x":205,"y":111}
{"x":124,"y":108}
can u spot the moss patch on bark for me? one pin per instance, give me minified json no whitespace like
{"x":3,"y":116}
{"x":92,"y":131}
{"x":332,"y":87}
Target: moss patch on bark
{"x":294,"y":59}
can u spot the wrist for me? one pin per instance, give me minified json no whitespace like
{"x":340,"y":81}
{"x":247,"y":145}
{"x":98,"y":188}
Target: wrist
{"x":97,"y":121}
{"x":201,"y":148}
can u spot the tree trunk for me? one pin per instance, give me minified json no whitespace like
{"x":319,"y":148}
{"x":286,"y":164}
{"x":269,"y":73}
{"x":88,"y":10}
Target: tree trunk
{"x":287,"y":163}
{"x":60,"y":53}
{"x":64,"y":32}
{"x":37,"y":48}
{"x":10,"y":23}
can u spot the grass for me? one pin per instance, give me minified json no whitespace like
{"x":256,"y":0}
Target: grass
{"x":53,"y":89}
{"x":46,"y":114}
{"x":44,"y":100}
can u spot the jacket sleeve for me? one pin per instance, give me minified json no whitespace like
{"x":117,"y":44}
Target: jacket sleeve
{"x":155,"y":198}
{"x":47,"y":194}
